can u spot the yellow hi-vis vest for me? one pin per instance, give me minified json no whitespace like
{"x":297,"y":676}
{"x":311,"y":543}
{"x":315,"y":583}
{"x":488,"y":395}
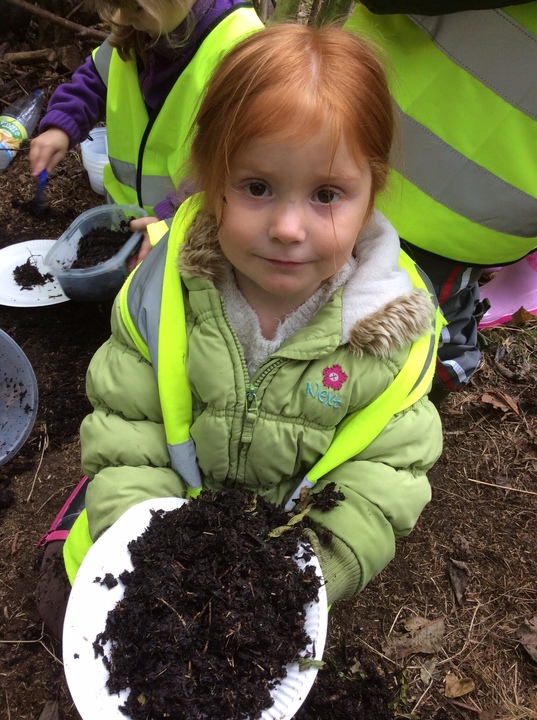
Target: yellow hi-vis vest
{"x":465,"y":89}
{"x":167,"y":350}
{"x":147,"y":151}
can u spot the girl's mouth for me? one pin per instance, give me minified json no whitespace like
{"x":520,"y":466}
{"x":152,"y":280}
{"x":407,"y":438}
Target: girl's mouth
{"x":284,"y":263}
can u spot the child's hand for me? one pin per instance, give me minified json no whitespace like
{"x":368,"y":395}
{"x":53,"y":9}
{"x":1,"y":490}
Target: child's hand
{"x":140,"y":224}
{"x":47,"y":150}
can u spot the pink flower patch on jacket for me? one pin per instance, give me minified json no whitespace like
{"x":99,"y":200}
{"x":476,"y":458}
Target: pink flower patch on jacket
{"x":334,"y":377}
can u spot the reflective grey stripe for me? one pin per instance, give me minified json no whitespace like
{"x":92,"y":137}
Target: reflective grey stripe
{"x":101,"y":60}
{"x":144,"y":302}
{"x":431,"y":358}
{"x":491,"y":46}
{"x":462,"y":185}
{"x":145,"y":299}
{"x":154,"y":187}
{"x":185,"y":463}
{"x":124,"y":171}
{"x":431,"y":355}
{"x":457,"y":369}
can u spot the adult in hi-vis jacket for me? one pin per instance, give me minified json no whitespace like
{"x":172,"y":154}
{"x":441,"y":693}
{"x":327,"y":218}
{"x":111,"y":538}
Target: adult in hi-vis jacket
{"x":463,"y":192}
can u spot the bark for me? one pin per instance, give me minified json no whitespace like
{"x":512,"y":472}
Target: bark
{"x":30,"y":57}
{"x":285,"y":10}
{"x":334,"y":12}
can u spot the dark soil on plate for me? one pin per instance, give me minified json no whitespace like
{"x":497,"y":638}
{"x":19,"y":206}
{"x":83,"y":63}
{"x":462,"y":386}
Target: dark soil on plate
{"x":28,"y":276}
{"x":482,"y":520}
{"x":94,"y":248}
{"x":213,"y":610}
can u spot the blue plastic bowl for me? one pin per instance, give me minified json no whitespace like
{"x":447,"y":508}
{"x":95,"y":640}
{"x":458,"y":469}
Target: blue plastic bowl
{"x":18,"y":398}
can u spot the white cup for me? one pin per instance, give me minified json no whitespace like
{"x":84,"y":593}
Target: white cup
{"x":95,"y":157}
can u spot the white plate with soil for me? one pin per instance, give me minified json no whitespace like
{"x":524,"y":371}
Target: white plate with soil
{"x":90,"y":602}
{"x":11,"y":293}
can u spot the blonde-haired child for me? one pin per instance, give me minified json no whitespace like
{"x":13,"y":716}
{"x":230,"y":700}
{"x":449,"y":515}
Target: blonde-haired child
{"x":146,"y":80}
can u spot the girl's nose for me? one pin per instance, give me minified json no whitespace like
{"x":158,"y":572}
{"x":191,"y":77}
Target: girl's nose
{"x":288,"y":223}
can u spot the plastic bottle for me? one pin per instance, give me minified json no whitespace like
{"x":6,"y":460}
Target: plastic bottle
{"x":17,"y":123}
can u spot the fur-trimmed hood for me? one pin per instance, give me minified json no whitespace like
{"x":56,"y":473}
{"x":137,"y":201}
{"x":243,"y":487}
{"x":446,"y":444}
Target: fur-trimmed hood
{"x":382,"y":311}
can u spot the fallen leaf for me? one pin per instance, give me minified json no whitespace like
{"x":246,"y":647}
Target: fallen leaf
{"x":307,"y":663}
{"x":423,"y":636}
{"x":357,"y":668}
{"x":427,"y":670}
{"x":459,"y":576}
{"x":461,"y":547}
{"x":50,"y":711}
{"x":509,"y":374}
{"x":500,"y":400}
{"x":521,"y":317}
{"x":455,"y":687}
{"x":526,"y":635}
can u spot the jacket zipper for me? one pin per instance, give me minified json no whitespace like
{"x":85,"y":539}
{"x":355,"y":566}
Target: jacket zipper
{"x":252,"y":410}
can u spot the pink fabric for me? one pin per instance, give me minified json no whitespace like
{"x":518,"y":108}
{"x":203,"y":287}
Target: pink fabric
{"x":53,"y":533}
{"x":512,"y":288}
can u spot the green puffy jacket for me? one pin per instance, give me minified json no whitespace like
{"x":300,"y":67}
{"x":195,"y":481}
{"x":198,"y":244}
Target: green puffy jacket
{"x":362,"y":334}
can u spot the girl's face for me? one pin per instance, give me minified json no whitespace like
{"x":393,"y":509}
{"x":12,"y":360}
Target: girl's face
{"x":290,"y":217}
{"x":135,"y":15}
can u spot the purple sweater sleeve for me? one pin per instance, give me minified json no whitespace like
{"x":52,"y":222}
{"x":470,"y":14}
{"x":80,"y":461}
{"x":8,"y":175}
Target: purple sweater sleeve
{"x":76,"y":107}
{"x":167,"y":208}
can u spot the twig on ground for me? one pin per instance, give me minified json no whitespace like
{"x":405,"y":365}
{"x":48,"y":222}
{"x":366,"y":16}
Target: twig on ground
{"x":39,"y":641}
{"x":466,"y":642}
{"x":377,"y":652}
{"x":17,"y":82}
{"x":60,"y":491}
{"x":43,"y":448}
{"x":74,"y":10}
{"x":515,"y":683}
{"x":502,"y":487}
{"x":67,"y":24}
{"x":14,"y":543}
{"x":422,"y":696}
{"x":396,"y":618}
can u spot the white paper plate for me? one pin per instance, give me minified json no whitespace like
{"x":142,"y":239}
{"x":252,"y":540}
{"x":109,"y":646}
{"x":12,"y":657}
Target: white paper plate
{"x":12,"y":294}
{"x":90,"y":602}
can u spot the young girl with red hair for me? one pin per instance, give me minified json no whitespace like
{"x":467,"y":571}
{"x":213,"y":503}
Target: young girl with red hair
{"x":308,"y":338}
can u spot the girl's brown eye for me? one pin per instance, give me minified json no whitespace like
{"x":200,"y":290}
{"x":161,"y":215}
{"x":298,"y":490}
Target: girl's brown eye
{"x":257,"y":189}
{"x":325,"y":196}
